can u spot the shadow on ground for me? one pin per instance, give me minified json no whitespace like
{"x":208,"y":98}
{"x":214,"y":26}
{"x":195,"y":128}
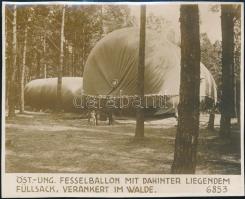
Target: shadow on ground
{"x":45,"y":142}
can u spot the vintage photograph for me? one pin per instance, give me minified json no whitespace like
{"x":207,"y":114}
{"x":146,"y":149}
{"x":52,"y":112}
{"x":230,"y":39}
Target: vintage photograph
{"x":120,"y":88}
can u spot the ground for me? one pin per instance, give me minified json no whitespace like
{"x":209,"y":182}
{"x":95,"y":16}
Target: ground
{"x":46,"y":142}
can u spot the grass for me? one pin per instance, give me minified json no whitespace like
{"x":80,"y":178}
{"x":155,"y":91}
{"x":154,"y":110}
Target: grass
{"x":46,"y":142}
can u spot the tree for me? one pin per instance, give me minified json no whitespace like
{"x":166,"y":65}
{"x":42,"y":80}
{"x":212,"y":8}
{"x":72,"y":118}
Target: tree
{"x":139,"y":131}
{"x":83,"y":28}
{"x":237,"y":59}
{"x":235,"y":13}
{"x":115,"y":17}
{"x":210,"y":57}
{"x":8,"y":48}
{"x":44,"y":54}
{"x":22,"y":75}
{"x":25,"y":16}
{"x":60,"y":68}
{"x":12,"y":89}
{"x":188,"y":108}
{"x":227,"y":102}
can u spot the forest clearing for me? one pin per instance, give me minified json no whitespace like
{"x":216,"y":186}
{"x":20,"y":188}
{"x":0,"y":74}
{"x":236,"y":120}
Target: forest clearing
{"x":66,"y":143}
{"x":108,"y":60}
{"x":132,"y":92}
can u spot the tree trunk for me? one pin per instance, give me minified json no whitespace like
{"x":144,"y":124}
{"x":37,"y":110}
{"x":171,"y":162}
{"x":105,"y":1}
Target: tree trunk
{"x":101,"y":22}
{"x":73,"y":64}
{"x":12,"y":91}
{"x":6,"y":61}
{"x":45,"y":71}
{"x":211,"y":119}
{"x":83,"y":50}
{"x":22,"y":77}
{"x":227,"y":104}
{"x":44,"y":55}
{"x":139,"y":131}
{"x":211,"y":116}
{"x":188,"y":109}
{"x":60,"y":68}
{"x":238,"y":106}
{"x":75,"y":49}
{"x":38,"y":69}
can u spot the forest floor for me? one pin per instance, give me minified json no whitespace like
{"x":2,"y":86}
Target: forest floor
{"x":44,"y":142}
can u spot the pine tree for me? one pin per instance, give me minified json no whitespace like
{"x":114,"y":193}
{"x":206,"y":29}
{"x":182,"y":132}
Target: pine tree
{"x":139,"y":131}
{"x":60,"y":69}
{"x":188,"y":108}
{"x":22,"y":74}
{"x":227,"y":87}
{"x":12,"y":89}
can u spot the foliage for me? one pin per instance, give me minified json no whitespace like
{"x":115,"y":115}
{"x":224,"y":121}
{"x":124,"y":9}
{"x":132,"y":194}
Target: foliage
{"x":84,"y":26}
{"x":211,"y":57}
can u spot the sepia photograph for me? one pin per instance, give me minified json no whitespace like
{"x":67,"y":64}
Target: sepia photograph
{"x":123,"y":88}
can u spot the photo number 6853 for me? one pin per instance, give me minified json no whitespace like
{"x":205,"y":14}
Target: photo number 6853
{"x":216,"y":189}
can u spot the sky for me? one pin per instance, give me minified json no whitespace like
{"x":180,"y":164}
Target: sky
{"x":210,"y":21}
